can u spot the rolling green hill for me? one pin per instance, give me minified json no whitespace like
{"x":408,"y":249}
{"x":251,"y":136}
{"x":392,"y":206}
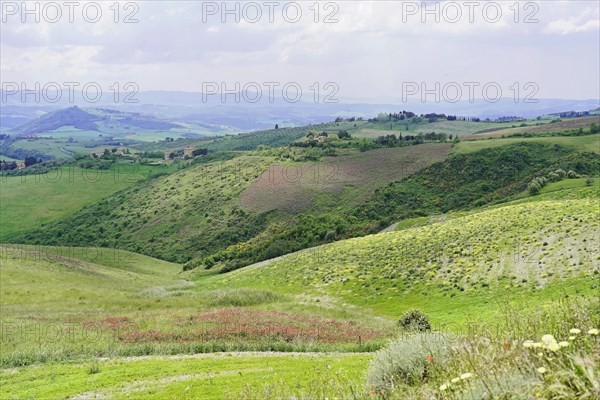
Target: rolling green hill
{"x":205,"y":201}
{"x":101,"y":322}
{"x":589,"y":143}
{"x":96,"y":120}
{"x":237,"y":212}
{"x":29,"y":201}
{"x":457,"y":267}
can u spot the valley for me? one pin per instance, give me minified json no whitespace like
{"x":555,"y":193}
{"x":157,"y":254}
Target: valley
{"x":257,"y":270}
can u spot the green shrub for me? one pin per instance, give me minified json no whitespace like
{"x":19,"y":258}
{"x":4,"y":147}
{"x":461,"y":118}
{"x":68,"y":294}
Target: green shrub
{"x":240,"y":297}
{"x":408,"y":360}
{"x":94,"y":368}
{"x":533,"y":188}
{"x":589,"y":182}
{"x":414,"y":320}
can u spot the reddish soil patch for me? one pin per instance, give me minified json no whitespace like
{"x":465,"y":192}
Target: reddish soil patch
{"x":295,"y":187}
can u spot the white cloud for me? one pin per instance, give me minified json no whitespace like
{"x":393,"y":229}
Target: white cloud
{"x":587,"y":21}
{"x":370,"y":51}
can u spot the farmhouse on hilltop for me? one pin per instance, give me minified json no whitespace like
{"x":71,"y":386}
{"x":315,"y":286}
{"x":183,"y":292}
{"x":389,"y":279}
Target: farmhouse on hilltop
{"x":188,"y":151}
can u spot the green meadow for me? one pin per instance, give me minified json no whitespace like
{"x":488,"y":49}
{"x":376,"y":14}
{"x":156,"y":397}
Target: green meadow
{"x":29,"y":201}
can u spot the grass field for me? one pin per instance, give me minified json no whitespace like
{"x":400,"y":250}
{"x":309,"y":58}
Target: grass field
{"x":116,"y":303}
{"x":373,"y":130}
{"x":226,"y":376}
{"x":57,"y":148}
{"x":583,"y":143}
{"x":90,"y":322}
{"x":30,"y":200}
{"x":564,"y":125}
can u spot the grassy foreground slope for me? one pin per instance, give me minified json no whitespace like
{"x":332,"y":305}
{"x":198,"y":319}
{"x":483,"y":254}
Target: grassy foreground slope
{"x":38,"y":279}
{"x":454,"y":269}
{"x":65,"y":303}
{"x":206,"y":377}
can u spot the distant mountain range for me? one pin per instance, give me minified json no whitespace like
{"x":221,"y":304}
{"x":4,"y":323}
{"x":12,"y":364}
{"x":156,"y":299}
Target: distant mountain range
{"x":211,"y":113}
{"x":94,"y":119}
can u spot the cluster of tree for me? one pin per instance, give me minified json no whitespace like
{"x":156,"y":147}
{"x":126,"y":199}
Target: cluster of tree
{"x":393,"y":117}
{"x":195,"y":153}
{"x":199,"y":152}
{"x":175,"y":154}
{"x":31,"y":161}
{"x":509,"y":119}
{"x":312,"y":134}
{"x":351,"y":119}
{"x":152,"y":154}
{"x":394,"y":141}
{"x":4,"y":137}
{"x":574,"y":114}
{"x":7,"y":165}
{"x":110,"y":153}
{"x":539,"y":182}
{"x":433,"y":117}
{"x":296,"y":153}
{"x":344,"y":135}
{"x":10,"y":168}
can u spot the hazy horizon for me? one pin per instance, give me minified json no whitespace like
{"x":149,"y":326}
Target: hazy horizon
{"x":364,"y":51}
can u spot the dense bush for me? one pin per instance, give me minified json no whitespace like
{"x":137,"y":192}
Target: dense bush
{"x":464,"y":180}
{"x":414,"y":320}
{"x":408,"y":360}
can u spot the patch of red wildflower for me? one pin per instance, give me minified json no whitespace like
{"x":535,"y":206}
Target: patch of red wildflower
{"x":234,"y":324}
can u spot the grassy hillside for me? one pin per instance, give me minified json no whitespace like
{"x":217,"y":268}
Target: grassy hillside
{"x":491,"y":265}
{"x":275,"y":213}
{"x":94,"y":120}
{"x":459,"y":267}
{"x":77,"y":312}
{"x":172,"y":217}
{"x":109,"y":302}
{"x":473,"y":179}
{"x":30,"y":201}
{"x":253,"y":193}
{"x":583,"y":143}
{"x":413,"y":126}
{"x":570,"y":124}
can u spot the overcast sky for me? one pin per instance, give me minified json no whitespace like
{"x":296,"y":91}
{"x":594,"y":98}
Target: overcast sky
{"x":369,"y":52}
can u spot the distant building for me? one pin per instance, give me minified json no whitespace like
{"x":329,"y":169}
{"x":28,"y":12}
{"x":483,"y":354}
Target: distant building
{"x":188,"y":151}
{"x":20,"y":164}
